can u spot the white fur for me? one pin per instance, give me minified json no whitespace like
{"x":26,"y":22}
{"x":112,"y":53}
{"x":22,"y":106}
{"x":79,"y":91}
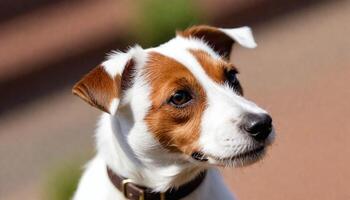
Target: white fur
{"x":130,"y":150}
{"x":117,"y":60}
{"x":114,"y":106}
{"x":242,"y":35}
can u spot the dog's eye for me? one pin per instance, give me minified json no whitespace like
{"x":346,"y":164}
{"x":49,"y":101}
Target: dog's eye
{"x":231,"y":76}
{"x":180,"y":98}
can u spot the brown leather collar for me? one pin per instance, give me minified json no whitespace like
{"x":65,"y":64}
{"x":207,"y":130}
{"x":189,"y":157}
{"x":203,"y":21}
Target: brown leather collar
{"x":135,"y":192}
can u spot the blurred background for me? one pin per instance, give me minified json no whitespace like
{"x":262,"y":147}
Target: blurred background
{"x":300,"y":72}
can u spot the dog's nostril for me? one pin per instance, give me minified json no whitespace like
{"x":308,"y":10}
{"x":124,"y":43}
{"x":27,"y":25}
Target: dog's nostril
{"x":259,"y":126}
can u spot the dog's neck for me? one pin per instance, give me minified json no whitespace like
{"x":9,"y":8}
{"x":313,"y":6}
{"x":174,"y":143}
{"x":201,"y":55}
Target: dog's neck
{"x":152,"y":170}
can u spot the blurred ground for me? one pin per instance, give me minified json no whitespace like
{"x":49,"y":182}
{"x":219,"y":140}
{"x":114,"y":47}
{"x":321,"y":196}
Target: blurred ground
{"x":299,"y":73}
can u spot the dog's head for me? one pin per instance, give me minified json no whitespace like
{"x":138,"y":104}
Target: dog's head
{"x":182,"y":99}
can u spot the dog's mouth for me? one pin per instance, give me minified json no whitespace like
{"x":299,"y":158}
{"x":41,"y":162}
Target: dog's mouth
{"x":238,"y":160}
{"x":242,"y":159}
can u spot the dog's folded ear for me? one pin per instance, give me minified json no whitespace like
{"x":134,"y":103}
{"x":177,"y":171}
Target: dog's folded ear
{"x":104,"y":85}
{"x":221,"y":39}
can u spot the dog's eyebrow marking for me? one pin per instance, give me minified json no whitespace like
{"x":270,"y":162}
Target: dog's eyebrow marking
{"x":176,"y":129}
{"x":213,"y":67}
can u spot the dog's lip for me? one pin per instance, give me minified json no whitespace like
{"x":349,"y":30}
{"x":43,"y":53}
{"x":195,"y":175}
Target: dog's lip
{"x":248,"y":154}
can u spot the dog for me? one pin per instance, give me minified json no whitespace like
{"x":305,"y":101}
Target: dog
{"x":171,"y":115}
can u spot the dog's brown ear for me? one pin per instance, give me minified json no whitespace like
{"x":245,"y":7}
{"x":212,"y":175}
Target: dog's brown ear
{"x":98,"y":89}
{"x":103,"y":86}
{"x":221,"y":39}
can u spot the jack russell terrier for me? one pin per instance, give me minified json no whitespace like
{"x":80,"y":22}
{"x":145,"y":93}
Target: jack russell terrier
{"x":172,"y":113}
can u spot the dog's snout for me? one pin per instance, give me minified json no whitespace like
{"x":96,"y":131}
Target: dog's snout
{"x":258,"y":126}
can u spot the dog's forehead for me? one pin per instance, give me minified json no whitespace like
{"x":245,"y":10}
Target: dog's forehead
{"x":183,"y":44}
{"x":197,"y":56}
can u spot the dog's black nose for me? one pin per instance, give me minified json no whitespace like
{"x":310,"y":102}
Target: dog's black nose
{"x":259,"y":126}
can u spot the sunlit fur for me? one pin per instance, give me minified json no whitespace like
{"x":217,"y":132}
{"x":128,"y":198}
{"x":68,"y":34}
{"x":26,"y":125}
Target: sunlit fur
{"x":126,"y":138}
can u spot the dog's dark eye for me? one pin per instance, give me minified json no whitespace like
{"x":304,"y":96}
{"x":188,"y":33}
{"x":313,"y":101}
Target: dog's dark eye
{"x":180,"y":98}
{"x":231,"y":76}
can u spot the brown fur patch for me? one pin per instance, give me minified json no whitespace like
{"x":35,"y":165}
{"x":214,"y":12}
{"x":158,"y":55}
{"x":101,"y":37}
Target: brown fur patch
{"x":215,"y":68}
{"x":98,"y":89}
{"x":177,"y":129}
{"x":216,"y":38}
